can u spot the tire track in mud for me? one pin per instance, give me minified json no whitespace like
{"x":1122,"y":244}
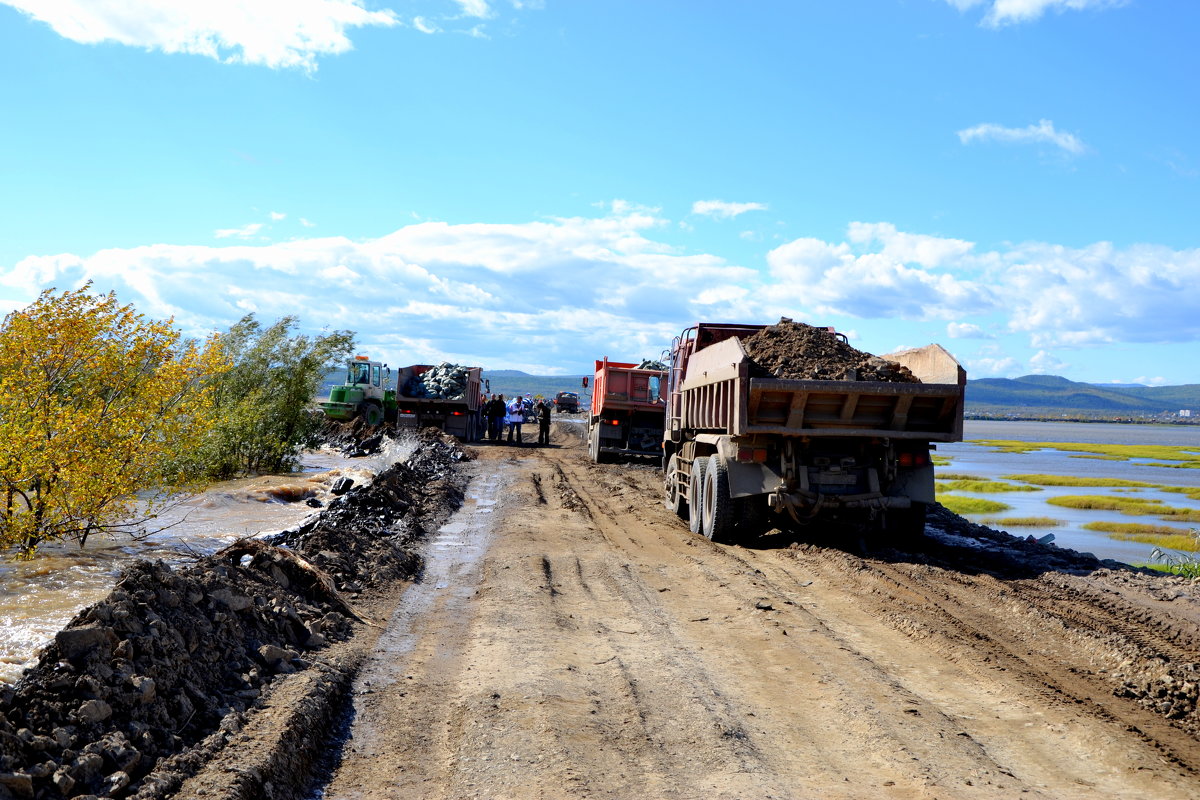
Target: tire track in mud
{"x":917,"y":604}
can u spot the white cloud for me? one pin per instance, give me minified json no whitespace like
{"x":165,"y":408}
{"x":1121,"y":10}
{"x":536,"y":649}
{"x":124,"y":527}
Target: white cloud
{"x":965,"y":330}
{"x":719,"y":209}
{"x":307,"y":224}
{"x":475,"y":8}
{"x":1011,"y":12}
{"x":272,"y":33}
{"x":277,"y":216}
{"x":425,"y":26}
{"x":1044,"y":363}
{"x":244,"y":232}
{"x":575,"y":288}
{"x":1042,"y":133}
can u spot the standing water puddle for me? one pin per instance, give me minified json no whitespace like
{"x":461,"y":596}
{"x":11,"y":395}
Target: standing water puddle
{"x":450,"y":577}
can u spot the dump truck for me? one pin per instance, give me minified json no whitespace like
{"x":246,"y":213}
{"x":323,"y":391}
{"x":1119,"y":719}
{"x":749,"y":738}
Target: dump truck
{"x":627,"y":412}
{"x":444,"y":396}
{"x":567,"y":402}
{"x":743,"y":452}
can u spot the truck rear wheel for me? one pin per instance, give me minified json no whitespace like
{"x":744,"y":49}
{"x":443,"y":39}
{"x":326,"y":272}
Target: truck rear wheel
{"x":907,"y":524}
{"x":695,"y":498}
{"x":676,"y":499}
{"x":718,"y":518}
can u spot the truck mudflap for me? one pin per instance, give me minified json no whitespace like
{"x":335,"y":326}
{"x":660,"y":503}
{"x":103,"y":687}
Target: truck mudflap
{"x":803,"y":506}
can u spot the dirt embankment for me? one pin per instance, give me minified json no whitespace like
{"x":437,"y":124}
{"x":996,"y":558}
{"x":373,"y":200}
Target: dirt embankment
{"x":144,"y":687}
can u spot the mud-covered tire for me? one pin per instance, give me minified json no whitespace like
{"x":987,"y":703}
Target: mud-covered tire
{"x":371,"y":413}
{"x":718,"y":519}
{"x":695,"y":497}
{"x":906,"y":525}
{"x":676,"y":499}
{"x":752,"y":517}
{"x":594,"y":444}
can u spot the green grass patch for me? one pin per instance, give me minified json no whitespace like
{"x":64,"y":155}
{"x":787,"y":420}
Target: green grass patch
{"x":1184,"y":570}
{"x":1022,"y":522}
{"x":1143,"y":506}
{"x":1170,"y":455}
{"x":957,"y":476}
{"x":1102,"y":502}
{"x":983,"y":487}
{"x":940,"y":461}
{"x":1131,"y":528}
{"x":1177,"y":541}
{"x":1076,"y":480}
{"x":971,"y":505}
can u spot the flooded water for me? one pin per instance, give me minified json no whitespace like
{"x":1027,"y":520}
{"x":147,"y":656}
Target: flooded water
{"x":39,"y":597}
{"x":984,"y":462}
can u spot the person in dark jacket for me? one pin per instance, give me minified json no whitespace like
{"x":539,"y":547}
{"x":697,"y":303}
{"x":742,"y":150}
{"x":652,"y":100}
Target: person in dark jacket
{"x":543,"y":418}
{"x":495,"y":415}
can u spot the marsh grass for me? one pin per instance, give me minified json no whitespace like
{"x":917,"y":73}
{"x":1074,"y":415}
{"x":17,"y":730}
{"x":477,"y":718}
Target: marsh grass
{"x":940,"y":461}
{"x":1158,"y":535}
{"x":1023,"y":522}
{"x":1134,"y":506}
{"x":958,"y":476}
{"x":980,"y":486}
{"x":1181,"y":456}
{"x":971,"y":505}
{"x":1078,"y":480}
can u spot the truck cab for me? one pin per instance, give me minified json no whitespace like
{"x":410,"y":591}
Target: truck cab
{"x":368,"y":388}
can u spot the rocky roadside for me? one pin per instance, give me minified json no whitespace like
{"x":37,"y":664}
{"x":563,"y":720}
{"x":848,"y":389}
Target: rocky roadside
{"x":144,"y":688}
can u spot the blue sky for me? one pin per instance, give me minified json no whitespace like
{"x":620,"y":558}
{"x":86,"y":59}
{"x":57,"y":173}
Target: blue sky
{"x":534,"y":184}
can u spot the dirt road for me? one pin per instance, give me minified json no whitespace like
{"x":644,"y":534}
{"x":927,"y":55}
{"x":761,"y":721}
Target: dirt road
{"x":583,"y":644}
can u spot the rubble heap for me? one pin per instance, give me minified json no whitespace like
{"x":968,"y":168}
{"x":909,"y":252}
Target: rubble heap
{"x":795,"y":351}
{"x":444,"y":382}
{"x":141,"y":687}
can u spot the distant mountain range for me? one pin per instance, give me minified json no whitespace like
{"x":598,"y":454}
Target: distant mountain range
{"x":1050,"y":393}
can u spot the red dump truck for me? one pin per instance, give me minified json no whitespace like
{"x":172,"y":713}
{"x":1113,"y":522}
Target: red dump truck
{"x":739,"y":451}
{"x":628,"y":404}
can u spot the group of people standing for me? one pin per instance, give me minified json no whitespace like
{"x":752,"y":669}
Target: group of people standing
{"x":511,"y":416}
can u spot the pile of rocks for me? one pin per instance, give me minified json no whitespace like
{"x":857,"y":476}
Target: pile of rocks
{"x":795,"y":351}
{"x":170,"y":663}
{"x":444,"y":382}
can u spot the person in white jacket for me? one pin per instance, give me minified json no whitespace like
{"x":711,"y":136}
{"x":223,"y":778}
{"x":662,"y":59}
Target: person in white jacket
{"x":515,"y":418}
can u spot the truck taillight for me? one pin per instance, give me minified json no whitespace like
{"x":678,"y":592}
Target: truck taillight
{"x":913,"y":459}
{"x":755,"y":455}
{"x":456,"y":413}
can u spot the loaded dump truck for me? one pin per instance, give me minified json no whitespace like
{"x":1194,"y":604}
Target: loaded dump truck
{"x":628,"y":407}
{"x":445,"y":396}
{"x":752,"y":442}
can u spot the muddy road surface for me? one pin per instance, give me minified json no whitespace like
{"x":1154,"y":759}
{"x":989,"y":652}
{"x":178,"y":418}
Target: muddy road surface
{"x":572,"y":639}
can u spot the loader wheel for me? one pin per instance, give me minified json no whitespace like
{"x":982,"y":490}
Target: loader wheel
{"x":695,"y":496}
{"x":370,"y":412}
{"x":718,"y":519}
{"x":676,"y":501}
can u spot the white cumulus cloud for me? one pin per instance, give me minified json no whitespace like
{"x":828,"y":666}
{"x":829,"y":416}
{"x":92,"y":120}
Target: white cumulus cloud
{"x":719,"y":209}
{"x":1043,"y":132}
{"x":1011,"y":12}
{"x":271,"y":33}
{"x":244,"y":232}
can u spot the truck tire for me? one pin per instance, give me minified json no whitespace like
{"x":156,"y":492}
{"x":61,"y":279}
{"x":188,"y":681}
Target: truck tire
{"x":370,"y":412}
{"x":594,"y":444}
{"x":676,"y":498}
{"x":718,"y":519}
{"x":695,"y":496}
{"x":750,"y":517}
{"x":907,"y":524}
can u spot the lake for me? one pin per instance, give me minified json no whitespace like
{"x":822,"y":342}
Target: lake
{"x":984,"y":462}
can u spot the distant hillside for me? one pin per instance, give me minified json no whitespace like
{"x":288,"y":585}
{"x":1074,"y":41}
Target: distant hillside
{"x":1053,"y":393}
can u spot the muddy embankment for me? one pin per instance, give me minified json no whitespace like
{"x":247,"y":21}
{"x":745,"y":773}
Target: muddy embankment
{"x":144,"y":688}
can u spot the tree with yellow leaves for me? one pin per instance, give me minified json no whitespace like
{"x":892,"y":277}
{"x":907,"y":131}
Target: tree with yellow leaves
{"x":97,"y":407}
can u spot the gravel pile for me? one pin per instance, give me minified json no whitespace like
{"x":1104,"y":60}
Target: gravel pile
{"x":795,"y":351}
{"x":141,"y":688}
